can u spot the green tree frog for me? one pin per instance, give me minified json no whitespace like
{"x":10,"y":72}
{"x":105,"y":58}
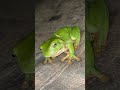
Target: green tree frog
{"x":24,"y":51}
{"x":65,"y":40}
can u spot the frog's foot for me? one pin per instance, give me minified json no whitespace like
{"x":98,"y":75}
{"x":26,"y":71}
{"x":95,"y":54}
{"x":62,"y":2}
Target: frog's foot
{"x":67,"y":52}
{"x":25,"y":85}
{"x":62,"y":60}
{"x":48,"y":60}
{"x":32,"y":83}
{"x":76,"y":47}
{"x":77,"y":58}
{"x":45,"y":62}
{"x":72,"y":57}
{"x":69,"y":62}
{"x":103,"y":78}
{"x":99,"y":75}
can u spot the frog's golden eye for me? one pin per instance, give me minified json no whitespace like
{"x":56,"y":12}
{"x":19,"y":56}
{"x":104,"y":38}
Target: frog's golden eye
{"x":54,"y":45}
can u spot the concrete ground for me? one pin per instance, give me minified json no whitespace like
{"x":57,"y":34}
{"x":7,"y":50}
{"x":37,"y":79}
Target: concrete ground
{"x":50,"y":16}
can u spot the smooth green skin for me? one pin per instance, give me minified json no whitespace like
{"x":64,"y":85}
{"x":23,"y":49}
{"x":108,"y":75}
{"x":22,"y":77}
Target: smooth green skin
{"x":24,"y":51}
{"x":97,"y":20}
{"x":90,"y":70}
{"x":89,"y":60}
{"x":68,"y":37}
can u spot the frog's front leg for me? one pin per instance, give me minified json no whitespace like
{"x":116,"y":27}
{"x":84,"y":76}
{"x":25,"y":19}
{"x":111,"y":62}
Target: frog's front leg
{"x":48,"y":60}
{"x":71,"y":53}
{"x":62,"y":60}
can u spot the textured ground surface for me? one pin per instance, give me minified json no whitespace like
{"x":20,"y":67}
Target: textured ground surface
{"x":51,"y":15}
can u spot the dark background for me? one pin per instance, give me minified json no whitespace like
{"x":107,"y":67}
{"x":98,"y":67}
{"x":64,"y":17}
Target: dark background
{"x":17,"y":19}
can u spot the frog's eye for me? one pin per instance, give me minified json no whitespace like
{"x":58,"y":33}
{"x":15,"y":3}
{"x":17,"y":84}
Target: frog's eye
{"x":54,"y":45}
{"x":40,"y":49}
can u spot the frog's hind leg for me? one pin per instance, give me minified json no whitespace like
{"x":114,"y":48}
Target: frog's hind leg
{"x":99,"y":75}
{"x":75,"y":35}
{"x":76,"y":43}
{"x":72,"y":53}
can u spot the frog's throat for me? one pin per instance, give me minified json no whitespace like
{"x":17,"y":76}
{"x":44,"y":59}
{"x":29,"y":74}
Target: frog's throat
{"x":60,"y":51}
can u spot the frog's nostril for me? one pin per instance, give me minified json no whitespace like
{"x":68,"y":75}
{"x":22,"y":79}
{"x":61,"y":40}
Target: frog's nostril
{"x":40,"y":49}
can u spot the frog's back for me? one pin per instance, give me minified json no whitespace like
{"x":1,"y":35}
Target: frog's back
{"x":75,"y":32}
{"x":68,"y":34}
{"x":63,"y":33}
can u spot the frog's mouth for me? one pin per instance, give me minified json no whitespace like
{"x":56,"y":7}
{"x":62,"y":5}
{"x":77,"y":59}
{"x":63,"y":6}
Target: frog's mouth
{"x":59,"y":51}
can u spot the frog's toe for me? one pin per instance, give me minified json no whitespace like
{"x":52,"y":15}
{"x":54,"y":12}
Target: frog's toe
{"x":62,"y":60}
{"x":104,"y":78}
{"x":25,"y":85}
{"x":76,"y":47}
{"x":45,"y":62}
{"x":69,"y":62}
{"x":77,"y":58}
{"x":50,"y":61}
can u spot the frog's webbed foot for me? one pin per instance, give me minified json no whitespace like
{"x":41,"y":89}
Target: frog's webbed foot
{"x":76,"y":47}
{"x":102,"y":77}
{"x":62,"y":60}
{"x":67,"y":52}
{"x":25,"y":85}
{"x":48,"y":60}
{"x":72,"y":57}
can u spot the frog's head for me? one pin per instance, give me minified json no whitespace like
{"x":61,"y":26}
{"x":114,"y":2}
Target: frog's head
{"x":51,"y":47}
